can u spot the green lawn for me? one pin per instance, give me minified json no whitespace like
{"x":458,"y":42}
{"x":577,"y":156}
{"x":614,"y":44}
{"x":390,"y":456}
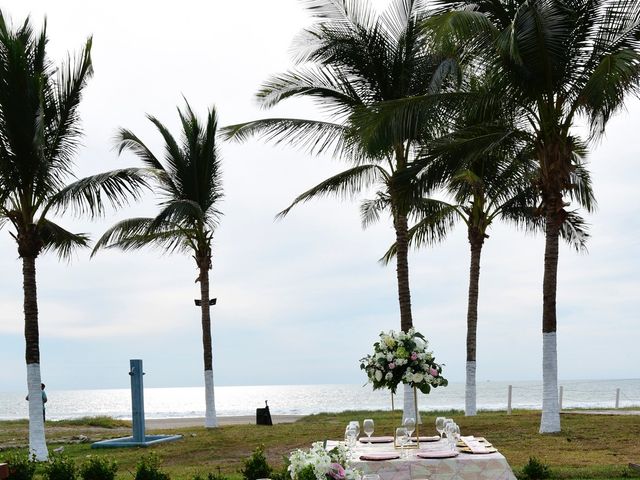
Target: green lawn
{"x":589,"y":447}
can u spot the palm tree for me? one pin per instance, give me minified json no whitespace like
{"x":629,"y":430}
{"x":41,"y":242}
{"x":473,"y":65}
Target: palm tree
{"x":557,"y":60}
{"x":189,"y":183}
{"x":39,"y":133}
{"x":349,"y":60}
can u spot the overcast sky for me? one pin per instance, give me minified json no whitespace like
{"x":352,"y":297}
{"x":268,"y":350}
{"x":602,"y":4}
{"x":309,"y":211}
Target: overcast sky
{"x":299,"y":300}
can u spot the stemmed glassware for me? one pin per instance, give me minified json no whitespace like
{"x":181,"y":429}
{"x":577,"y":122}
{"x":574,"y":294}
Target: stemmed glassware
{"x":402,"y":438}
{"x":440,"y":425}
{"x":367,"y":426}
{"x":410,"y":425}
{"x":350,"y":437}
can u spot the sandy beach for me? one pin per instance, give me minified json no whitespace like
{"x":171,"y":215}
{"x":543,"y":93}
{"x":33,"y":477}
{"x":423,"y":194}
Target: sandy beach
{"x":166,"y":423}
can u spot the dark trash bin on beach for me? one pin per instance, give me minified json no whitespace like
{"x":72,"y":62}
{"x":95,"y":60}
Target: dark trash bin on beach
{"x":263,"y":416}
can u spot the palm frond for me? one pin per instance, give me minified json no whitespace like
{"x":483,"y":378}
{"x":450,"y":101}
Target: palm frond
{"x":61,"y":241}
{"x":136,"y":233}
{"x":311,"y":136}
{"x":88,"y":196}
{"x":345,"y":184}
{"x":370,"y":210}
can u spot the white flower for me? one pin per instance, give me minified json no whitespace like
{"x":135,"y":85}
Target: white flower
{"x":388,"y":376}
{"x":378,"y":375}
{"x":417,"y":377}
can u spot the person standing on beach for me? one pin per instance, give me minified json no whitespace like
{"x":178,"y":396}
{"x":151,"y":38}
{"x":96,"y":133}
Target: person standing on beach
{"x":44,"y":400}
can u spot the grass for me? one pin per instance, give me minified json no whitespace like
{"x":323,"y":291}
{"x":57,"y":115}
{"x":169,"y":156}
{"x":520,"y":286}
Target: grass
{"x":589,"y":447}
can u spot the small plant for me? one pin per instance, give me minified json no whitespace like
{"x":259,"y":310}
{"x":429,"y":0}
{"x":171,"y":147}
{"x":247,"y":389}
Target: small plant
{"x":256,"y":465}
{"x":148,"y":468}
{"x":98,"y":468}
{"x":60,"y":467}
{"x":212,"y":476}
{"x":21,"y":466}
{"x":536,"y":470}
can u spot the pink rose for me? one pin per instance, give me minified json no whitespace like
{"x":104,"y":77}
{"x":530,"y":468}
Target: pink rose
{"x":414,"y":356}
{"x":433,"y":371}
{"x":392,"y":366}
{"x":337,"y":472}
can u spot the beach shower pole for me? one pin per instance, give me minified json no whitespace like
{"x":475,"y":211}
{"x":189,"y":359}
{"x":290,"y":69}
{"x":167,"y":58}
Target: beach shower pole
{"x":560,"y":396}
{"x":617,"y":398}
{"x":509,"y":400}
{"x":137,"y":400}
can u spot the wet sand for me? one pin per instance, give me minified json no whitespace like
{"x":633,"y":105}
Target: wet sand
{"x":169,"y":423}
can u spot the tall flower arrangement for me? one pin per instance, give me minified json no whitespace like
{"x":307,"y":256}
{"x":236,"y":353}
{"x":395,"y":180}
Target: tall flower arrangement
{"x":402,"y":357}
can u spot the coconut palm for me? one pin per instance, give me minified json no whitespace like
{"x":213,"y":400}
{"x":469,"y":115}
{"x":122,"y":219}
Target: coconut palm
{"x":557,"y":61}
{"x":189,"y":184}
{"x":350,"y":59}
{"x":39,"y":134}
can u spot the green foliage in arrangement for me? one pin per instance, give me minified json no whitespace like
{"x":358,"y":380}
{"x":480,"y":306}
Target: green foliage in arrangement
{"x":98,"y":468}
{"x":60,"y":467}
{"x":535,"y":470}
{"x":21,"y":466}
{"x":256,"y":466}
{"x":148,"y":468}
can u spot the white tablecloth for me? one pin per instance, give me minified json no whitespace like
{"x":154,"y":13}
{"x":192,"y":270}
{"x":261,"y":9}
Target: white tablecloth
{"x":488,"y":466}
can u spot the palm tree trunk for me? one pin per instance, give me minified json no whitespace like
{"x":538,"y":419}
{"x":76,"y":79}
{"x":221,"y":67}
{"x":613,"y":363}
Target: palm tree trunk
{"x":402,"y":271}
{"x":37,"y":440}
{"x":550,"y":421}
{"x":404,"y":299}
{"x":472,"y":325}
{"x":210,"y":420}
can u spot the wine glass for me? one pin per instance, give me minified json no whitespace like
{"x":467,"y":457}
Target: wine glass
{"x":410,"y":425}
{"x":440,"y":425}
{"x":356,"y":425}
{"x":350,"y":437}
{"x":402,"y":438}
{"x":367,"y":426}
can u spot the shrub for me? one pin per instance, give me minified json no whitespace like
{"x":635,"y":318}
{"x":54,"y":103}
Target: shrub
{"x":99,"y":468}
{"x":148,"y":468}
{"x":536,"y":470}
{"x":60,"y":467}
{"x":21,"y":467}
{"x":256,"y":465}
{"x":212,"y":476}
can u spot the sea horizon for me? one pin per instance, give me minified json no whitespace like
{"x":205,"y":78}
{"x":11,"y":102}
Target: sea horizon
{"x":242,"y":400}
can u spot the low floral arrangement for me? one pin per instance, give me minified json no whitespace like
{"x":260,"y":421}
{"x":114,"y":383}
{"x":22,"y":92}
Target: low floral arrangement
{"x":402,"y":357}
{"x":319,"y":464}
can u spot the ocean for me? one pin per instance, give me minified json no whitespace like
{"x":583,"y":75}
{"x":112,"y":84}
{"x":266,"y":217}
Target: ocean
{"x":309,"y":399}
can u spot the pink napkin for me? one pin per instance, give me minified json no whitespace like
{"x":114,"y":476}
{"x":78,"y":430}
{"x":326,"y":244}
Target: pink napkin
{"x":379,"y":456}
{"x":437,"y":454}
{"x":435,"y":438}
{"x":376,"y":440}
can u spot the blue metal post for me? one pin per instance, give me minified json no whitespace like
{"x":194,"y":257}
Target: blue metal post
{"x":137,"y":400}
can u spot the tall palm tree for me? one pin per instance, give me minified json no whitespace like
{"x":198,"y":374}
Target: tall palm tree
{"x":39,"y":134}
{"x":189,"y":184}
{"x":350,"y":59}
{"x":557,"y":60}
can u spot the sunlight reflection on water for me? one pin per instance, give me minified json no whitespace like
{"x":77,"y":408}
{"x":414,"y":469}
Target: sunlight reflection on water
{"x":309,"y":399}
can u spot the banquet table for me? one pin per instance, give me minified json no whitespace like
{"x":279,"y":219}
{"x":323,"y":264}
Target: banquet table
{"x":465,"y":466}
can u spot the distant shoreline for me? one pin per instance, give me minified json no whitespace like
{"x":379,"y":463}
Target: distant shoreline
{"x":172,"y":423}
